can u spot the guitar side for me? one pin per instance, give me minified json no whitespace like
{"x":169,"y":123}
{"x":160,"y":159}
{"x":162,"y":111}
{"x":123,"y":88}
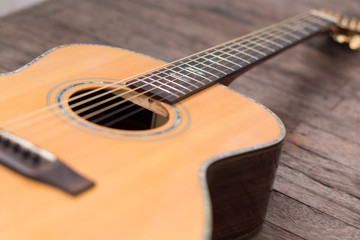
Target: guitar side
{"x":152,"y":184}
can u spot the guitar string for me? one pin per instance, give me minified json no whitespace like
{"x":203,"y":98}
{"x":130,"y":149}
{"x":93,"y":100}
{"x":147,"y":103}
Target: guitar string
{"x":150,"y":90}
{"x":19,"y":118}
{"x":263,"y":34}
{"x":114,"y":97}
{"x":119,"y":110}
{"x":84,"y":117}
{"x":168,"y":69}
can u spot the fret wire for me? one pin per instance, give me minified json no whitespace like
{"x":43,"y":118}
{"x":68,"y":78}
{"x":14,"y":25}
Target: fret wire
{"x":188,"y":82}
{"x":190,"y":72}
{"x":227,"y":53}
{"x":215,"y":69}
{"x":196,"y":72}
{"x":272,"y":42}
{"x":197,"y":68}
{"x":214,"y":56}
{"x":263,"y":46}
{"x":291,"y":33}
{"x":247,"y":54}
{"x":247,"y":46}
{"x":210,"y":64}
{"x":288,"y":33}
{"x":224,"y":59}
{"x":304,"y":15}
{"x":201,"y":70}
{"x":298,"y":28}
{"x":253,"y":49}
{"x":214,"y":47}
{"x":221,"y":64}
{"x":308,"y":26}
{"x":243,"y":51}
{"x":242,"y":59}
{"x":281,"y":38}
{"x":317,"y":20}
{"x":174,"y":83}
{"x":252,"y":34}
{"x":165,"y":84}
{"x":157,"y":87}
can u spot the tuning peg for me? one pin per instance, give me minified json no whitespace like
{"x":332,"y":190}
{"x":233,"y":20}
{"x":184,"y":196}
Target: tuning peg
{"x":352,"y":24}
{"x":344,"y":21}
{"x":337,"y":16}
{"x":355,"y":42}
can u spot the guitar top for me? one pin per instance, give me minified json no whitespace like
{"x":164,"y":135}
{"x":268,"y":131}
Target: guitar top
{"x":98,"y":142}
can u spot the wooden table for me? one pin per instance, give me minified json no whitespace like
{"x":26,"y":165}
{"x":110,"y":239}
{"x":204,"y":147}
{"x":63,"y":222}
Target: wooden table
{"x":314,"y":88}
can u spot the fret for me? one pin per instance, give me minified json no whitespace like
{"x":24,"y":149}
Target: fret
{"x":213,"y":64}
{"x":279,"y":38}
{"x":193,"y":76}
{"x":184,"y":77}
{"x":289,"y":34}
{"x":301,"y":28}
{"x":318,"y":21}
{"x":227,"y":60}
{"x":272,"y":42}
{"x":148,"y":86}
{"x":249,"y":51}
{"x":307,"y":26}
{"x":233,"y":56}
{"x":218,"y":63}
{"x":253,"y":49}
{"x":218,"y":60}
{"x":245,"y":52}
{"x":265,"y":49}
{"x":177,"y":84}
{"x":157,"y":82}
{"x":193,"y":70}
{"x":262,"y":43}
{"x":198,"y":67}
{"x":200,"y":77}
{"x":297,"y":28}
{"x":173,"y":82}
{"x":210,"y":61}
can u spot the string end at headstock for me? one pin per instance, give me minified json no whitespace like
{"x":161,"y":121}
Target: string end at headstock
{"x":346,"y":30}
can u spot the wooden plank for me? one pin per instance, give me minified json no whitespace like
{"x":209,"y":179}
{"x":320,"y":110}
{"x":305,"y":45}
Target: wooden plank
{"x":309,"y":190}
{"x":270,"y":231}
{"x":307,"y":222}
{"x":326,"y":144}
{"x":330,"y":173}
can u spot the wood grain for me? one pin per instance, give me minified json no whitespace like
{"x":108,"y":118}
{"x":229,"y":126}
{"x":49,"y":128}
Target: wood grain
{"x":313,"y":87}
{"x":143,"y":179}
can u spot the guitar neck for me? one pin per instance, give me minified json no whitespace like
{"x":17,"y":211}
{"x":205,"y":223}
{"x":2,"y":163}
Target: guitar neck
{"x":191,"y":74}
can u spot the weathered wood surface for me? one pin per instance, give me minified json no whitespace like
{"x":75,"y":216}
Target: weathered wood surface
{"x":314,"y":88}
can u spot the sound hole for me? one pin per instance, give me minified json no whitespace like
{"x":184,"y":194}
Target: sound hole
{"x":108,"y":109}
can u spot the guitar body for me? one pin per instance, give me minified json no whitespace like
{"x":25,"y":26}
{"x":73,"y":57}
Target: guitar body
{"x":206,"y":173}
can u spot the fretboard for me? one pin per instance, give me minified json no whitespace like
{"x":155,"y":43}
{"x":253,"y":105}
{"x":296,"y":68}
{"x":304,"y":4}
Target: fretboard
{"x":189,"y":75}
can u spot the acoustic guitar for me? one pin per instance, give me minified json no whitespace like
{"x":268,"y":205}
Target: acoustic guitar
{"x":98,"y":142}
